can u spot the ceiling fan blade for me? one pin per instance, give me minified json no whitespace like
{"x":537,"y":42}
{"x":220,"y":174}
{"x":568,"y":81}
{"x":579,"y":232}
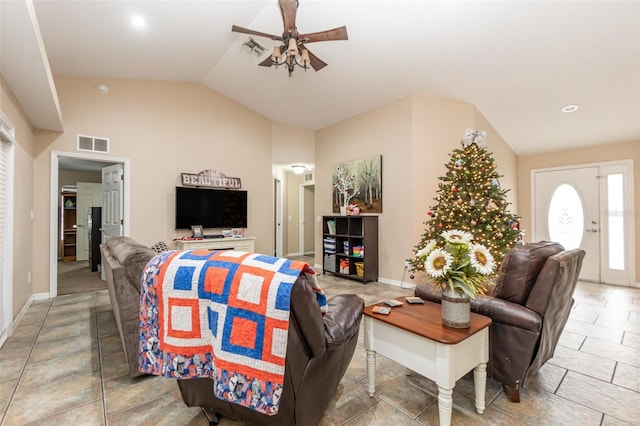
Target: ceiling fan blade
{"x":328,"y":35}
{"x":267,"y":62}
{"x":237,"y":29}
{"x":288,"y":10}
{"x":316,"y":63}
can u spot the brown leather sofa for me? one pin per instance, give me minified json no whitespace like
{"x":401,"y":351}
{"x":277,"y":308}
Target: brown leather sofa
{"x":123,"y":260}
{"x":529,"y":306}
{"x":319,"y":350}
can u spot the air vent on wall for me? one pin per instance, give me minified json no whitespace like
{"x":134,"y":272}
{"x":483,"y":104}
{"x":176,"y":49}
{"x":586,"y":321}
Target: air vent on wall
{"x":93,"y":144}
{"x":308,"y":177}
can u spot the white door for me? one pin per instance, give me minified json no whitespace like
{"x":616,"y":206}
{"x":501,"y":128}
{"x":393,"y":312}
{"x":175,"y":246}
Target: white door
{"x":87,"y":195}
{"x":587,"y":207}
{"x":112,"y":203}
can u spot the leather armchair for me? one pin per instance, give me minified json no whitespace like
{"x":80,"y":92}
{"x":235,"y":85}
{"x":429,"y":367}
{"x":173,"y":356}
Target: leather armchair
{"x":319,"y":350}
{"x":529,"y":306}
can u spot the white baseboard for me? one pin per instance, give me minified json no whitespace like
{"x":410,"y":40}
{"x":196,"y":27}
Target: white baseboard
{"x":40,"y":296}
{"x":297,"y":253}
{"x":396,"y":283}
{"x":9,"y":331}
{"x":23,"y":311}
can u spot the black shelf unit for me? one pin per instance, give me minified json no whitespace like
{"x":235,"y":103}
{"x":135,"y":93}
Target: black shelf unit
{"x":350,"y":247}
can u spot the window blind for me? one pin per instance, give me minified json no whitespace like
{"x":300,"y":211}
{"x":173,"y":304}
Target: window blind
{"x":7,"y":140}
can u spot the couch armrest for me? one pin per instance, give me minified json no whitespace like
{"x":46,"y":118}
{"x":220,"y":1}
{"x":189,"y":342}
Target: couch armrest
{"x":342,"y":320}
{"x":508,"y":313}
{"x":498,"y":310}
{"x":429,"y":292}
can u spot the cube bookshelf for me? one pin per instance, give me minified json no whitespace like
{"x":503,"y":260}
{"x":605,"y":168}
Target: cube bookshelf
{"x":350,"y":247}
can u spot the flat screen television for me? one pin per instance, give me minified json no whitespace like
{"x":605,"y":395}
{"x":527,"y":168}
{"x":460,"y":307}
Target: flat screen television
{"x":210,"y":208}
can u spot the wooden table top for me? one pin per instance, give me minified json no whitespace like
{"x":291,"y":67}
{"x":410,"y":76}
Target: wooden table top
{"x":426,"y":320}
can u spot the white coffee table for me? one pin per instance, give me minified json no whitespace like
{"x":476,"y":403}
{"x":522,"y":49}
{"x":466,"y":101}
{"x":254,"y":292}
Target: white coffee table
{"x":413,"y":336}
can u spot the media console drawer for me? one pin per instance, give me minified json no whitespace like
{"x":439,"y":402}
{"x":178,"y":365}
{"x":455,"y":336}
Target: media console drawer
{"x":239,"y":244}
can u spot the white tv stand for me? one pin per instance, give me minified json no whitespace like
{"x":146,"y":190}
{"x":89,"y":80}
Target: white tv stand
{"x":239,"y":244}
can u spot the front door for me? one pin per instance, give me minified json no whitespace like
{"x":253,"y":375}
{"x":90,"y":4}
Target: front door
{"x":584,"y":207}
{"x":566,"y":211}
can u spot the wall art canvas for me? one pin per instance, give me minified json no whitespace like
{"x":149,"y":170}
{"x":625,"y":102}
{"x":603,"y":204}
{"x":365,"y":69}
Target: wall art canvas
{"x":357,"y":185}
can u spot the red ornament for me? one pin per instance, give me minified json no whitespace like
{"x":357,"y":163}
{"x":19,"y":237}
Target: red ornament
{"x":440,"y":226}
{"x":430,"y":213}
{"x":454,"y":189}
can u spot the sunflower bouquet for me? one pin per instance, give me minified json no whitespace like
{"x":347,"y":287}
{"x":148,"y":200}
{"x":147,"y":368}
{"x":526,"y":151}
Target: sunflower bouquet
{"x":454,"y":260}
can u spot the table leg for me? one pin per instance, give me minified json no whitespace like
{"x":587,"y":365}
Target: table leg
{"x":445,"y":405}
{"x":371,"y":371}
{"x":480,"y":384}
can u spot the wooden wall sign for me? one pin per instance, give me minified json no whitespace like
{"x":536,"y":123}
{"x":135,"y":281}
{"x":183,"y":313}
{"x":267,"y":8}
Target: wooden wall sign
{"x":211,"y":178}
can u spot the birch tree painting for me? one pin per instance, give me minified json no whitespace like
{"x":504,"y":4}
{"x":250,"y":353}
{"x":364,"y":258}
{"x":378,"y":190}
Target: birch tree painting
{"x":358,"y":183}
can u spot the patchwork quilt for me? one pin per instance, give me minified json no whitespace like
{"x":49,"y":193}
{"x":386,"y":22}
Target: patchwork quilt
{"x":223,"y":315}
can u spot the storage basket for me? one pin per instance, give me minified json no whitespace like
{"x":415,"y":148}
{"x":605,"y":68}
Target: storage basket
{"x":344,"y":266}
{"x":360,"y":269}
{"x":330,"y":262}
{"x":329,"y":245}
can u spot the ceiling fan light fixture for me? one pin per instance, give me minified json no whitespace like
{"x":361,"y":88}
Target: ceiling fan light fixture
{"x":292,"y":52}
{"x":293,"y":47}
{"x":306,"y":61}
{"x":276,"y":55}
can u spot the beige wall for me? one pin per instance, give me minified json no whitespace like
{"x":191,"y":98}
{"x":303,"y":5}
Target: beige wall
{"x":383,"y":131}
{"x":505,"y":159}
{"x":23,"y":235}
{"x":415,"y":136}
{"x":601,"y":153}
{"x":292,"y":144}
{"x":164,"y":129}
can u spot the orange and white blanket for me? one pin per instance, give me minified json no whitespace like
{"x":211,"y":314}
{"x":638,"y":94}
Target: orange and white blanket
{"x":220,"y":314}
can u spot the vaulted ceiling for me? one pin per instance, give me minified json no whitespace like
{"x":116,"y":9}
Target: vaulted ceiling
{"x":519,"y":62}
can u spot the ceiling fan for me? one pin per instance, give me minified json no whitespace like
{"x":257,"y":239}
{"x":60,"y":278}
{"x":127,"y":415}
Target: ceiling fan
{"x":293,"y":51}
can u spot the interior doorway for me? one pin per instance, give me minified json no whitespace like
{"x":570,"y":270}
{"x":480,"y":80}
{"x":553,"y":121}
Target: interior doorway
{"x":307,"y":221}
{"x":66,"y":165}
{"x":589,"y":207}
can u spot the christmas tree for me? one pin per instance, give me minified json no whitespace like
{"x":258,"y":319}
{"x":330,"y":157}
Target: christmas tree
{"x":469,"y":198}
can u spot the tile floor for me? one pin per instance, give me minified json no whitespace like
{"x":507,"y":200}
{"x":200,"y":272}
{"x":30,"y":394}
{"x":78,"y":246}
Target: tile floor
{"x":64,"y":365}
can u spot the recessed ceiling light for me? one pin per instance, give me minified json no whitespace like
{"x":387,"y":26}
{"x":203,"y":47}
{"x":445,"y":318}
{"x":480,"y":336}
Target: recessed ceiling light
{"x":570,"y":108}
{"x":138,"y":21}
